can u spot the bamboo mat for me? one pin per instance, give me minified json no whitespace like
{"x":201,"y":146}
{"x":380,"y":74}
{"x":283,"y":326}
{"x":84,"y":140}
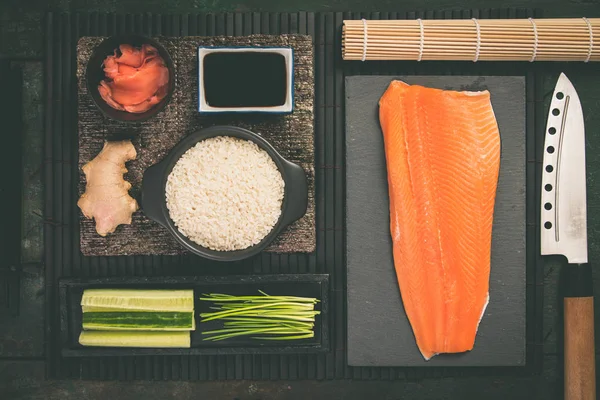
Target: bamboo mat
{"x":63,"y":259}
{"x":550,"y":39}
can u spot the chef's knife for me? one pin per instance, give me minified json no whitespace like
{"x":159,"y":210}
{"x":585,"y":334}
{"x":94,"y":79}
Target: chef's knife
{"x":564,"y":231}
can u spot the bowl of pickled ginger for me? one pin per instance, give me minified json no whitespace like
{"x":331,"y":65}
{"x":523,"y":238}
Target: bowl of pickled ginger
{"x":130,"y":77}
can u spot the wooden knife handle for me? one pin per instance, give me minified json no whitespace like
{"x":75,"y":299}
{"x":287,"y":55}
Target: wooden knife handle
{"x":580,"y":358}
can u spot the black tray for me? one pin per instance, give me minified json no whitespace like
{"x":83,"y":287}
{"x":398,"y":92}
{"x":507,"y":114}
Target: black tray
{"x":71,"y":290}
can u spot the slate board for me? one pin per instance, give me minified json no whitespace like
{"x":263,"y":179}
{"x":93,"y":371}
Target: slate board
{"x":379,"y":333}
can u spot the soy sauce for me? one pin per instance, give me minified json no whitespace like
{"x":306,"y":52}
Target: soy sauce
{"x":245,"y":79}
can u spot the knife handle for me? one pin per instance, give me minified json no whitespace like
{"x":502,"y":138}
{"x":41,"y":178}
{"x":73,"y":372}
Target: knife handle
{"x":580,"y":358}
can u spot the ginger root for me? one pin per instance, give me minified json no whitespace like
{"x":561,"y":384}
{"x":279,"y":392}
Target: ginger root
{"x":106,"y":198}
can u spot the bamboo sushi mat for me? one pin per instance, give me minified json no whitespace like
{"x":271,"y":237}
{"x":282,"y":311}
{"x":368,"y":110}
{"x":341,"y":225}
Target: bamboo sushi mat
{"x":292,"y":135}
{"x":63,"y":258}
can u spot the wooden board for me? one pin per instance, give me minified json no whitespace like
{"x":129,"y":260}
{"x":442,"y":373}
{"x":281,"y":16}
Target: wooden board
{"x":379,"y":333}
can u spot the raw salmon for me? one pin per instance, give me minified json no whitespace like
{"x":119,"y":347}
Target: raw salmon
{"x":443,"y":157}
{"x":136,"y":79}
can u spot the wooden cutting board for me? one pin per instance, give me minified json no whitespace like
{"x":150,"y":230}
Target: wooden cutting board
{"x":379,"y":333}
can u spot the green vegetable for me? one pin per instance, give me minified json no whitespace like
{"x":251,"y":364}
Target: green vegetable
{"x":150,"y":321}
{"x":261,"y":317}
{"x":137,"y":299}
{"x":135,"y":309}
{"x":135,"y":339}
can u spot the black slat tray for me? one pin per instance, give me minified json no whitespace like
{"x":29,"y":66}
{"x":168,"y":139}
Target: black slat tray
{"x":63,"y":258}
{"x":71,"y":290}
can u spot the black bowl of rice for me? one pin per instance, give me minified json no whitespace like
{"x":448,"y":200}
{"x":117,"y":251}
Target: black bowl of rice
{"x":224,"y":193}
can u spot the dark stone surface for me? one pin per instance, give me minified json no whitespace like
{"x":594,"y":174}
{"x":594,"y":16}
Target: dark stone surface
{"x":25,"y":382}
{"x":23,"y":376}
{"x":379,"y":333}
{"x":22,"y":322}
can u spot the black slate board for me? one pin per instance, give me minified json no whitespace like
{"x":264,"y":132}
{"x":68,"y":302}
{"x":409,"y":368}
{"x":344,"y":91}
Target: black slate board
{"x":379,"y":333}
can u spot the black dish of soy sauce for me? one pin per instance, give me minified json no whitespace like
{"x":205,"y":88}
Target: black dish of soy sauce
{"x":245,"y":79}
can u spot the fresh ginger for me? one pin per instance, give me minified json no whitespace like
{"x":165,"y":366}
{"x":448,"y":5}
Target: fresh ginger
{"x":106,"y":198}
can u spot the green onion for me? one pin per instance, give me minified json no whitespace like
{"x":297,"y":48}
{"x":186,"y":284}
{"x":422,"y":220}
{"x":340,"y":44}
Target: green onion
{"x":260,"y":317}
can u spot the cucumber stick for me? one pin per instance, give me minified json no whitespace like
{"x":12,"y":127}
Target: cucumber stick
{"x":135,"y":339}
{"x":137,"y":300}
{"x":142,"y":321}
{"x":138,"y":310}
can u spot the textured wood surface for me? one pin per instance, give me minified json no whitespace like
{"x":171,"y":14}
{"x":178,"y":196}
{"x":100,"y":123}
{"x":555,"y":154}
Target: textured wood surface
{"x":292,"y":135}
{"x":580,"y":359}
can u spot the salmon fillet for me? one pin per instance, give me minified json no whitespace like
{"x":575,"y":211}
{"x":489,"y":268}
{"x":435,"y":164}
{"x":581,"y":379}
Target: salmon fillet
{"x":443,"y":157}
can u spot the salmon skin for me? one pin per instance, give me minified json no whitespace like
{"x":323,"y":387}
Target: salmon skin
{"x":442,"y":152}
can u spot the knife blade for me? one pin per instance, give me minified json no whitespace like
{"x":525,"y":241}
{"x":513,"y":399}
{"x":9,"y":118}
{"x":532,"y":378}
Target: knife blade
{"x":564,"y":232}
{"x":564,"y":211}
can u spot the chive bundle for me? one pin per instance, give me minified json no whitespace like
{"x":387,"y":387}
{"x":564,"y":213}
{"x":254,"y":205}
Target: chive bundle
{"x":261,"y":317}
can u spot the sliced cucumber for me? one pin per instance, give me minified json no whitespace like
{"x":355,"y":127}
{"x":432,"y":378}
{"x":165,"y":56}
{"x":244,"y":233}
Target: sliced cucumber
{"x":149,"y":321}
{"x":137,"y":299}
{"x":135,"y":339}
{"x":87,"y":309}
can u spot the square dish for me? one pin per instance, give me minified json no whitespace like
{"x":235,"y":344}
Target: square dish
{"x":245,"y":79}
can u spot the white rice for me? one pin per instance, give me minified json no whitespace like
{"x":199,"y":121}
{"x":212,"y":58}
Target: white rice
{"x":225,"y":193}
